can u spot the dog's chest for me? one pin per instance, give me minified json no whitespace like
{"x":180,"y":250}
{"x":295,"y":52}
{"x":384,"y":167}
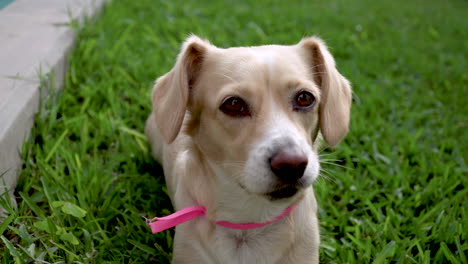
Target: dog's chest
{"x":253,"y":246}
{"x":241,"y":240}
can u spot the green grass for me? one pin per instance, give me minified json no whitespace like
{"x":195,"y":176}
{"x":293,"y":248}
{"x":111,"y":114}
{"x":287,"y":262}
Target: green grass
{"x":397,"y":195}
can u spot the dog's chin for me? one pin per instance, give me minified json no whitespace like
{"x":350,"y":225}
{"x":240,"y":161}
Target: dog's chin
{"x":288,"y":191}
{"x":283,"y":192}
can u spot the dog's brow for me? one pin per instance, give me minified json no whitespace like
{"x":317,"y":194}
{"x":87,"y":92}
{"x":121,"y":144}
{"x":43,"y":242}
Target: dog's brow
{"x":297,"y":83}
{"x":242,"y":89}
{"x":294,"y":83}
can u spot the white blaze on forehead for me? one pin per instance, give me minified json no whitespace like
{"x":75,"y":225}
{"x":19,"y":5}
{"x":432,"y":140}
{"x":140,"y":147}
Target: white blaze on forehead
{"x":264,"y":56}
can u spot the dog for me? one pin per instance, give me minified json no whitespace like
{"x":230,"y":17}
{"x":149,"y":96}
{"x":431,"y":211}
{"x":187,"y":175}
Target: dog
{"x":237,"y":131}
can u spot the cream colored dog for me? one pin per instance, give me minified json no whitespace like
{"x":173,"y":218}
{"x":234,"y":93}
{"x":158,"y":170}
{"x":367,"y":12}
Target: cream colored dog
{"x":236,"y":131}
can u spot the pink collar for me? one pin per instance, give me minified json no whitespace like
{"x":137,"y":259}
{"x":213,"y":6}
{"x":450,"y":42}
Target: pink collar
{"x":159,"y":224}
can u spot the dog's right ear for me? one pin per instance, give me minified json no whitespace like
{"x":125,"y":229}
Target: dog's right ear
{"x":171,"y":92}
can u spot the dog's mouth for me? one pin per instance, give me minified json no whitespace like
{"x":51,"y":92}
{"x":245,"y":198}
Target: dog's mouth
{"x":279,"y":192}
{"x":283,"y":192}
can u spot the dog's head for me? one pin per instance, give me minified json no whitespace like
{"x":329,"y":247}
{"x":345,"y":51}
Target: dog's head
{"x":254,"y":113}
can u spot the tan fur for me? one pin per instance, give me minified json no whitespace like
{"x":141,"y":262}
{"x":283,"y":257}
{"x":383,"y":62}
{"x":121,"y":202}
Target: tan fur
{"x":217,"y":161}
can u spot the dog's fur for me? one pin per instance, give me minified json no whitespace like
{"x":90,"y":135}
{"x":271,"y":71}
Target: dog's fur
{"x":223,"y":162}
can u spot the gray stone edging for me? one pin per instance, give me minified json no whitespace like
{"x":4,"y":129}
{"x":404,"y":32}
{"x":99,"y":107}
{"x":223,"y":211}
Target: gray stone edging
{"x":35,"y":39}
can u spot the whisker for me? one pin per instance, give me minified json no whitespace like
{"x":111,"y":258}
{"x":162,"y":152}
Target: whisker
{"x":317,"y":65}
{"x":337,"y":165}
{"x":321,"y":154}
{"x":318,"y":73}
{"x":324,"y":175}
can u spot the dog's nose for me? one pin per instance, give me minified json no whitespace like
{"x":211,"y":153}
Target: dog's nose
{"x":288,"y":166}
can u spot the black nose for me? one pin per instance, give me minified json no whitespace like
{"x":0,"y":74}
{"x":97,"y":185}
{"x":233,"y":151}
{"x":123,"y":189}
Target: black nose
{"x":288,"y":166}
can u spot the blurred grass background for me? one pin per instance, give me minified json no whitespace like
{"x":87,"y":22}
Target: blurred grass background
{"x":392,"y":192}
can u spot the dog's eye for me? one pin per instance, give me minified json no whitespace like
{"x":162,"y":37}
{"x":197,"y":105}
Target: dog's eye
{"x":304,"y":100}
{"x":235,"y":107}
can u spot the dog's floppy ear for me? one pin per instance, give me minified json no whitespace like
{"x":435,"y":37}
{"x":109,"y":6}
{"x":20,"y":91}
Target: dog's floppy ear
{"x":171,"y":92}
{"x":335,"y":103}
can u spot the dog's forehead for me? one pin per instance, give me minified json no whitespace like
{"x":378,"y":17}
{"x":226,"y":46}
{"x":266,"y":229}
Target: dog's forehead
{"x":252,"y":63}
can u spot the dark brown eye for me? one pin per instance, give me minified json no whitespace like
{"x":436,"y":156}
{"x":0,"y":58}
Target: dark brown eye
{"x":303,"y":101}
{"x":235,"y":107}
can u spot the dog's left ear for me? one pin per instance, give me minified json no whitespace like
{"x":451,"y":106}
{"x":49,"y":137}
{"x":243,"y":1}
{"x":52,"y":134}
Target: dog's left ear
{"x":335,"y":103}
{"x":171,"y":92}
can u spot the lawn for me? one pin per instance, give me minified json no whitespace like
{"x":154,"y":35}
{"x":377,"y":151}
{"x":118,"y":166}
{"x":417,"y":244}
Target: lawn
{"x":392,"y":192}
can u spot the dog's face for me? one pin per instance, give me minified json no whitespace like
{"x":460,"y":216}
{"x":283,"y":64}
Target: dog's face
{"x":255,"y":113}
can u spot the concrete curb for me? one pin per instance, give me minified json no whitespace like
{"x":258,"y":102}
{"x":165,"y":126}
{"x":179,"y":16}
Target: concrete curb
{"x":35,"y":39}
